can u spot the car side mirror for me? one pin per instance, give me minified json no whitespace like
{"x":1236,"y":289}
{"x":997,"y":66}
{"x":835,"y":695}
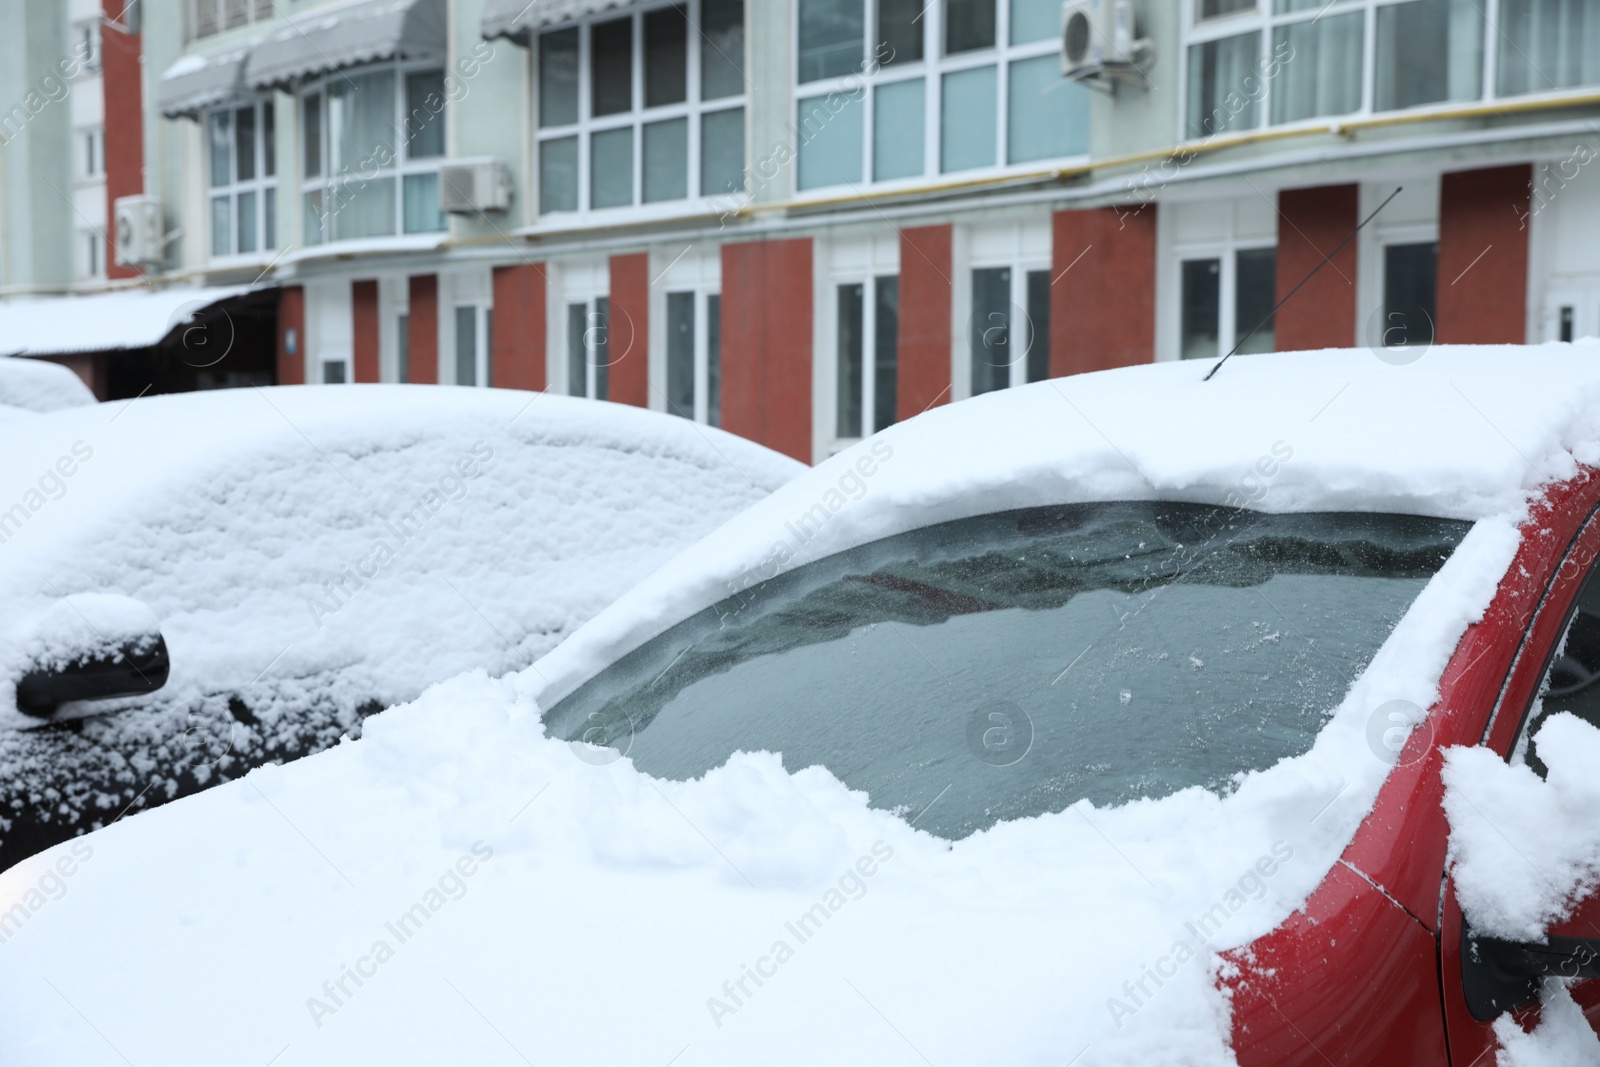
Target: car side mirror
{"x":1499,"y":976}
{"x":92,"y":646}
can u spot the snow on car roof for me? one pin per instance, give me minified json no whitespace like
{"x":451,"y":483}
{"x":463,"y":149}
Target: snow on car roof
{"x":396,"y":534}
{"x":1462,"y":432}
{"x":37,"y":385}
{"x":457,"y":882}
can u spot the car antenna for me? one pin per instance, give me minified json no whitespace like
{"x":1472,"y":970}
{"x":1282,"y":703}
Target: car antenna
{"x":1325,"y":261}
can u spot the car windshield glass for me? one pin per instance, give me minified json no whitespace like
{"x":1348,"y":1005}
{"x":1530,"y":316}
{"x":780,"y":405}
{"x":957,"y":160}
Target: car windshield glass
{"x":1014,"y":664}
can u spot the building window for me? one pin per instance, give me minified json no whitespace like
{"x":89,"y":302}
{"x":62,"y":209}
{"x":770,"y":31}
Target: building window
{"x":91,"y":154}
{"x":890,"y":90}
{"x":207,"y":17}
{"x":372,"y":141}
{"x":402,"y":341}
{"x":242,"y":175}
{"x":867,"y":343}
{"x":333,"y":372}
{"x":589,"y":348}
{"x":1547,"y":45}
{"x":1410,"y":282}
{"x":694,"y":356}
{"x":86,"y":44}
{"x":1009,"y":333}
{"x":1278,"y":62}
{"x":1226,"y":299}
{"x":643,"y":109}
{"x":473,"y":344}
{"x":91,"y":254}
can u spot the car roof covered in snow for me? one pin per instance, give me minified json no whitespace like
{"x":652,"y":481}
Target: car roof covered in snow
{"x":38,"y":385}
{"x":1450,"y":431}
{"x":251,"y":521}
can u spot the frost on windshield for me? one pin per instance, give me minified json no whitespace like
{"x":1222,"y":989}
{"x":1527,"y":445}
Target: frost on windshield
{"x":1104,"y":652}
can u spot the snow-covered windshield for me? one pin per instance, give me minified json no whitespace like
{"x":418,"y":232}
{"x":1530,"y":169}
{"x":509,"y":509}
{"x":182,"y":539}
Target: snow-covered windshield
{"x":1016,"y":663}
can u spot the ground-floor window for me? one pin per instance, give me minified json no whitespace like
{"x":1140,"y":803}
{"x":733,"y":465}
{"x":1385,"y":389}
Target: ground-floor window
{"x":694,"y":355}
{"x":868,"y":336}
{"x":588,"y":329}
{"x":472,"y":344}
{"x":1227,"y":299}
{"x":1410,"y":284}
{"x":1009,"y":334}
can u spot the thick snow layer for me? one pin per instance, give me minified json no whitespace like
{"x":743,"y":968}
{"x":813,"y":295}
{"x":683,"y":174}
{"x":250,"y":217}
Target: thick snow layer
{"x":1465,"y":432}
{"x":1563,"y":1037}
{"x":311,"y":552}
{"x":36,"y":385}
{"x":1525,"y":849}
{"x":458,"y":887}
{"x":103,"y":322}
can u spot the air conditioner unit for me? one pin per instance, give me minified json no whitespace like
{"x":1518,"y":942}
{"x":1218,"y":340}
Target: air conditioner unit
{"x":473,"y":186}
{"x":1098,"y":41}
{"x":140,"y":236}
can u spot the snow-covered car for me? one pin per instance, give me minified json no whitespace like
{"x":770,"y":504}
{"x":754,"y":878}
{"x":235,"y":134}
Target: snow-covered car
{"x":1128,"y":718}
{"x":300,"y":558}
{"x":35,"y":385}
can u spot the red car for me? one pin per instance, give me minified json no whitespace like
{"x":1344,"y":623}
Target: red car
{"x":1381,"y":967}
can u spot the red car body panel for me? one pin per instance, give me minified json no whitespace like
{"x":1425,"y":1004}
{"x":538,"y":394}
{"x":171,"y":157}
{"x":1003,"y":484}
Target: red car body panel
{"x":1368,"y":972}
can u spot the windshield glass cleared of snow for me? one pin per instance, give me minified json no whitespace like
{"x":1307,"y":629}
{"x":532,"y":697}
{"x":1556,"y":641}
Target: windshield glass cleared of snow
{"x":1014,"y":664}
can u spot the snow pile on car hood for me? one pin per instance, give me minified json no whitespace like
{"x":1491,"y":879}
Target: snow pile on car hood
{"x":458,"y":886}
{"x":38,"y":385}
{"x":391,"y":535}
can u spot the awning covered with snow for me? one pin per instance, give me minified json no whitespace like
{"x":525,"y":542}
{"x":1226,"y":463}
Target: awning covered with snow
{"x":202,"y":80}
{"x":345,"y":34}
{"x":517,"y":19}
{"x":104,"y":322}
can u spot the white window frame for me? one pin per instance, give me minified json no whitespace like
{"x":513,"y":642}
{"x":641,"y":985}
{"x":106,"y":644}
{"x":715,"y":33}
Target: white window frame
{"x":931,"y":70}
{"x":702,"y":276}
{"x":263,"y":184}
{"x":88,"y":31}
{"x":1233,"y":238}
{"x":860,"y":261}
{"x":1022,"y":246}
{"x":1262,"y":21}
{"x":227,"y":15}
{"x":636,"y":117}
{"x":1413,"y":218}
{"x":91,"y":254}
{"x":566,"y":283}
{"x":398,"y":169}
{"x":89,"y":154}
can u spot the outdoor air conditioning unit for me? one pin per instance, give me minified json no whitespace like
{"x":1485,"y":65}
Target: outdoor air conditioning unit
{"x":473,"y":186}
{"x":140,"y":237}
{"x":1098,"y":41}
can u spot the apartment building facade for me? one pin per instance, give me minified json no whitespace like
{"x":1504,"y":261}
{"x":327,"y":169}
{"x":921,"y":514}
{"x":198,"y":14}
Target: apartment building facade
{"x":802,"y":220}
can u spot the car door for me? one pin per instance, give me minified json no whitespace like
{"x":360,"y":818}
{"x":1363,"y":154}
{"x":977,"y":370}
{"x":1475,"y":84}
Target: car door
{"x":1558,"y":669}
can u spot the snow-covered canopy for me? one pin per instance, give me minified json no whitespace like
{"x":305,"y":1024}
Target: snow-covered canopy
{"x":103,"y":322}
{"x":458,"y":886}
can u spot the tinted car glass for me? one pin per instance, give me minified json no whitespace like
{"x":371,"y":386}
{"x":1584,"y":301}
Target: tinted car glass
{"x":1017,"y":663}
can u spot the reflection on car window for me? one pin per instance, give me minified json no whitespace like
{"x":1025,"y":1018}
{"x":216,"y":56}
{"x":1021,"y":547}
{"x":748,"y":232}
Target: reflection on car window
{"x":1017,"y":663}
{"x":1572,"y":682}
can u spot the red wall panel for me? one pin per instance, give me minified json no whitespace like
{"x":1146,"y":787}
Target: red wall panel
{"x":923,"y":355}
{"x":364,"y":313}
{"x":123,"y":88}
{"x":766,"y":343}
{"x":518,"y":331}
{"x":292,"y":328}
{"x":1311,"y":223}
{"x":1103,"y":289}
{"x":1483,"y":256}
{"x":628,"y":339}
{"x":423,"y":333}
